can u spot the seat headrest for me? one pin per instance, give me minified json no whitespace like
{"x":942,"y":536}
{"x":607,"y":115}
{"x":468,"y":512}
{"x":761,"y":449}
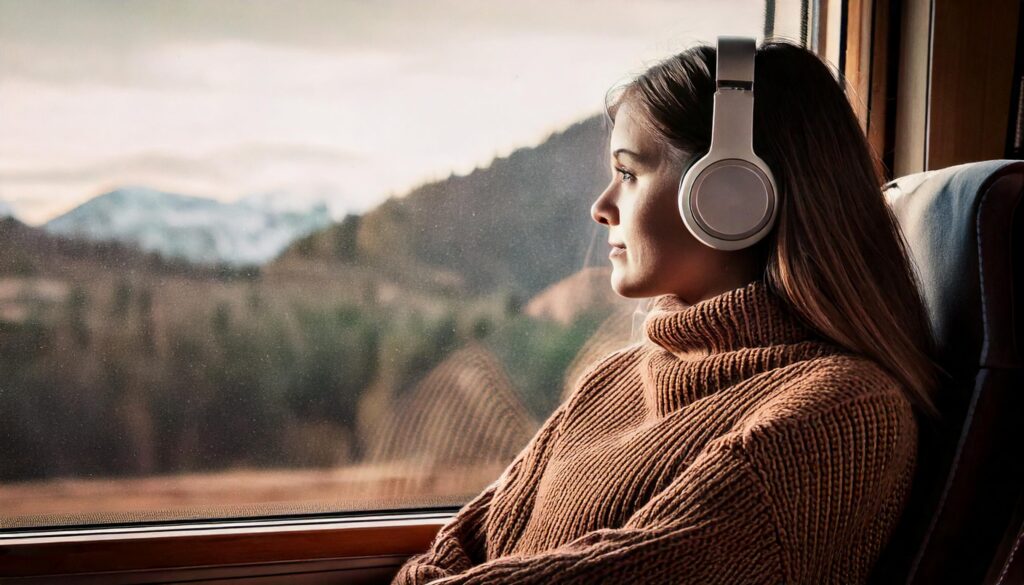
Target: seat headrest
{"x":965,"y":243}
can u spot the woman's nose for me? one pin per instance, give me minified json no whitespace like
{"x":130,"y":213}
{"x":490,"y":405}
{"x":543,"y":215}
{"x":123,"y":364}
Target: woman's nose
{"x":603,"y":211}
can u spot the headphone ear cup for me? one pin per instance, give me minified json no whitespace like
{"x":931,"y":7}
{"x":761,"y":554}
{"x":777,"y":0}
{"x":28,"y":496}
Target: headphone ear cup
{"x":684,"y":193}
{"x":728,"y":204}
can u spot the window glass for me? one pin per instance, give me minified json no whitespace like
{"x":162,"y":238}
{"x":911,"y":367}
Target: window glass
{"x":791,"y":20}
{"x":280,"y":257}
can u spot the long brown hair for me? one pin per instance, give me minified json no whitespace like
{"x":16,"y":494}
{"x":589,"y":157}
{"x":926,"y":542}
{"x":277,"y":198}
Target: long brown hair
{"x":837,"y":255}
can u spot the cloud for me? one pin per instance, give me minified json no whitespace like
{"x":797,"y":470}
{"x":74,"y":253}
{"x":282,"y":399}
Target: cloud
{"x":330,"y":24}
{"x":353,"y":99}
{"x":303,"y":171}
{"x":71,"y":41}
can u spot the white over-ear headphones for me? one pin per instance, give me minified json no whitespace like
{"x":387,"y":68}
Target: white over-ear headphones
{"x":727,"y":198}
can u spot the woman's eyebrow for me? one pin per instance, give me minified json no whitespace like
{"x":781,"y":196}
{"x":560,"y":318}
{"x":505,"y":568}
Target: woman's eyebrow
{"x":636,"y":157}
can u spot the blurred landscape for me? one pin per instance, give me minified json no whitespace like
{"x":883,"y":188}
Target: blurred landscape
{"x":262,"y":257}
{"x":164,"y":357}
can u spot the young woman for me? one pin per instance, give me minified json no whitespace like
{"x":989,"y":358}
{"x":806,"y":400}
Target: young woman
{"x":765,"y":430}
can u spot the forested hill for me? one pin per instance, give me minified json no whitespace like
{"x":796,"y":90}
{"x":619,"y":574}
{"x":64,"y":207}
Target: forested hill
{"x":29,"y":251}
{"x":521,"y":223}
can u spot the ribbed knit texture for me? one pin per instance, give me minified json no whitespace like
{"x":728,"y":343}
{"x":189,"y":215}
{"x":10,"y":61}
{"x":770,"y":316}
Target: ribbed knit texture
{"x":733,"y":446}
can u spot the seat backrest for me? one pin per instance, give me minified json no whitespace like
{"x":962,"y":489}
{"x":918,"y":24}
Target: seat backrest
{"x":963,"y":225}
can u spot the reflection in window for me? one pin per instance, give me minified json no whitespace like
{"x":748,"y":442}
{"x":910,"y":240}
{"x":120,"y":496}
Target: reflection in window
{"x":258,"y":260}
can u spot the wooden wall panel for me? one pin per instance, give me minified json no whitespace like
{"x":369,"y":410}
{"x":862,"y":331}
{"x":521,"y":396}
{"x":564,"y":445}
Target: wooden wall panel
{"x":973,"y":55}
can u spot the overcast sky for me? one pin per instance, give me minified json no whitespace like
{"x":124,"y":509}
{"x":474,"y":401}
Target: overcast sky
{"x":345,"y":101}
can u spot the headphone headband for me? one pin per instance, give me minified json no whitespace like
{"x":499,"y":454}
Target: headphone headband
{"x":735,"y":67}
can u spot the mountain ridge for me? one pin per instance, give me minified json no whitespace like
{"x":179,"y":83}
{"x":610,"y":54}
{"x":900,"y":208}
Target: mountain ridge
{"x":197,"y":229}
{"x":521,"y":223}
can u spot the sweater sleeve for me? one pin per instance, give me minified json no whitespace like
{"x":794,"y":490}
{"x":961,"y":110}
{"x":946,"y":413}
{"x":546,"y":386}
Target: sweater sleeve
{"x":461,"y":542}
{"x":753,"y":507}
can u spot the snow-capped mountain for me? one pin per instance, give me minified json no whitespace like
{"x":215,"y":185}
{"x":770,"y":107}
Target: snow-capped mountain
{"x":281,"y":201}
{"x":197,"y":229}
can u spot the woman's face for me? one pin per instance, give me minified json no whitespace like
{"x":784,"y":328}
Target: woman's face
{"x":652,"y":252}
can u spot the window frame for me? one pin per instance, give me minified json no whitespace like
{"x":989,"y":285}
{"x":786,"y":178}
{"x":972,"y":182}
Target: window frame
{"x":360,"y":547}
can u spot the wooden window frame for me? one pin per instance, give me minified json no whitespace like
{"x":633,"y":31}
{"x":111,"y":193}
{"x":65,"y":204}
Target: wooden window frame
{"x":933,"y":82}
{"x":859,"y":42}
{"x":957,"y":63}
{"x":856,"y":37}
{"x":363,"y":548}
{"x":971,"y":72}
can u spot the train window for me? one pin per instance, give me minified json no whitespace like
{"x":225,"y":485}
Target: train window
{"x":264,"y":259}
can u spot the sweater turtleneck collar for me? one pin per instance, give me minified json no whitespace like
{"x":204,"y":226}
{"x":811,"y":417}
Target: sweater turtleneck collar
{"x":719,"y":342}
{"x":750,"y":316}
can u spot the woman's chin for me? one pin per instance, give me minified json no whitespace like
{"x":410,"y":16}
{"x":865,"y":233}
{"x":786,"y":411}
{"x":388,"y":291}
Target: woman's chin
{"x":622,"y":285}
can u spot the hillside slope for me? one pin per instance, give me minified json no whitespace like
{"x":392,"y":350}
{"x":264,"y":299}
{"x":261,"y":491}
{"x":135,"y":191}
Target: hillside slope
{"x":519,"y":224}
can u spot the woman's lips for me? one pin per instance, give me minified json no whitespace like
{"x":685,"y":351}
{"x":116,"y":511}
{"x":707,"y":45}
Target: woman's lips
{"x":617,"y":251}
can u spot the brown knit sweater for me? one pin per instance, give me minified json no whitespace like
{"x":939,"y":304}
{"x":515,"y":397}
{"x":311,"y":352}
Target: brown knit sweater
{"x":733,"y":445}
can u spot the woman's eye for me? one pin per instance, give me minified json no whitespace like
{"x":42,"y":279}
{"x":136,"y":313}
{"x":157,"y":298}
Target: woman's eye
{"x":626,"y":175}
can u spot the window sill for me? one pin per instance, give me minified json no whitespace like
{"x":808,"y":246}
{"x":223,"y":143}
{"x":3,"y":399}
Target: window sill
{"x":357,"y":549}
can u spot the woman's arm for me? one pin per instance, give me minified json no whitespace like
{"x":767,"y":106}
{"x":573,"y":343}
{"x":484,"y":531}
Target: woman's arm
{"x":462,"y":542}
{"x":778,"y":503}
{"x":711,"y":525}
{"x":459,"y":544}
